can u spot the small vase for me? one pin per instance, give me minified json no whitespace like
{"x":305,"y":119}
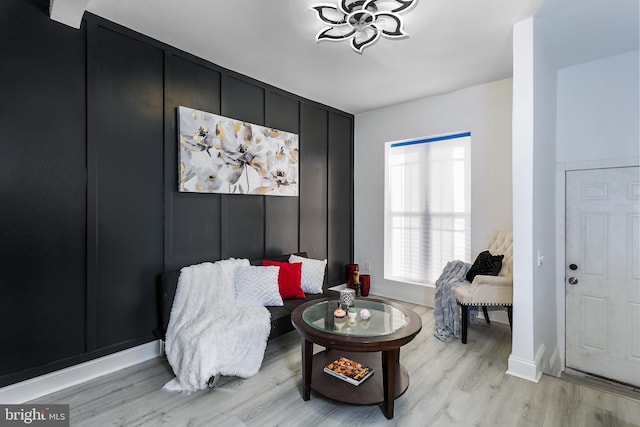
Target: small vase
{"x":365,"y":284}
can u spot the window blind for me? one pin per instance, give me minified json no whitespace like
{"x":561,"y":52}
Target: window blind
{"x":427,"y":206}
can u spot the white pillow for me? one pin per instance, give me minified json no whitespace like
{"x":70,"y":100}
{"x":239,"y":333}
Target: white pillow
{"x":312,"y":273}
{"x":257,"y":286}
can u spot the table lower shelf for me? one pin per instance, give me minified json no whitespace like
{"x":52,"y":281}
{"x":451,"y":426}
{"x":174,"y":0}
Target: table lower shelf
{"x":369,"y":392}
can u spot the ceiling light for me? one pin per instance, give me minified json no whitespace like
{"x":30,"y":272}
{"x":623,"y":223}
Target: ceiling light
{"x":362,"y":21}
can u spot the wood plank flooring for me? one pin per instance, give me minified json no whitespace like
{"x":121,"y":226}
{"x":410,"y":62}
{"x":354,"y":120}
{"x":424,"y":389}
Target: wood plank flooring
{"x":451,"y":385}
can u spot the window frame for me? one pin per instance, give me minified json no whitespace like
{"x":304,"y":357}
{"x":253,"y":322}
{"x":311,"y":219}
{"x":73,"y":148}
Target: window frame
{"x":425,"y":215}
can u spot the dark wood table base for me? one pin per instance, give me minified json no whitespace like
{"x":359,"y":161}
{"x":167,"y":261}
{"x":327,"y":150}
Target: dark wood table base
{"x":377,"y":348}
{"x":381,"y":388}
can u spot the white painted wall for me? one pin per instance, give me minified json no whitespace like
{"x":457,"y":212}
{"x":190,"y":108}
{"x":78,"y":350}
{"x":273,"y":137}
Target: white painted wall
{"x":598,"y":109}
{"x":485,"y":110}
{"x":585,"y":115}
{"x":598,"y":116}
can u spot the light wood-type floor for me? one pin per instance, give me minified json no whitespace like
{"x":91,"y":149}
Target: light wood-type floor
{"x":451,"y":385}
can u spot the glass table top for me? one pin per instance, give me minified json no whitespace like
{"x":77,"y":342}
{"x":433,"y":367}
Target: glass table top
{"x":384,"y":319}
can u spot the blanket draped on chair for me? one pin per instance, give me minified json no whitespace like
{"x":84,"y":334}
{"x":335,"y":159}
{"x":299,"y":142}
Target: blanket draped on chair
{"x":207,"y":333}
{"x":446,"y":311}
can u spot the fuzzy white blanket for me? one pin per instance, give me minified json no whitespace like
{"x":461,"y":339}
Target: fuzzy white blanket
{"x":207,"y":333}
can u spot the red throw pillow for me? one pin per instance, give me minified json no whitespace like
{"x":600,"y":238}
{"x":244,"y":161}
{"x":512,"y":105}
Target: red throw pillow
{"x":289,"y":278}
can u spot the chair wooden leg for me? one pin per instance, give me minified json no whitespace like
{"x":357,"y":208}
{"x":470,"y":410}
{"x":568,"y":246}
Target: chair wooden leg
{"x":486,"y":314}
{"x":510,"y":315}
{"x":465,"y":322}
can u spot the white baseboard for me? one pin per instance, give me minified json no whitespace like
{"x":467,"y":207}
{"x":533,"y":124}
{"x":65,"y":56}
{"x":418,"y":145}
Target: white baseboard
{"x":529,"y":370}
{"x":49,"y":383}
{"x":497,"y":316}
{"x":422,"y":295}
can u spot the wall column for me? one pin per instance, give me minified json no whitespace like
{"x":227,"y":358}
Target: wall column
{"x":522,"y":361}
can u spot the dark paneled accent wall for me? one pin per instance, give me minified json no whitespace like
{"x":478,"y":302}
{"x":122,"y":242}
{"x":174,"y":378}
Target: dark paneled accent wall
{"x":193,"y":234}
{"x":340,"y":217}
{"x":314,"y":123}
{"x":90,"y":214}
{"x":125,"y":110}
{"x":42,"y":191}
{"x":242,"y":216}
{"x":281,"y":213}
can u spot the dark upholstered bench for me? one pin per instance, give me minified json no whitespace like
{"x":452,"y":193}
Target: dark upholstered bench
{"x":280,"y":316}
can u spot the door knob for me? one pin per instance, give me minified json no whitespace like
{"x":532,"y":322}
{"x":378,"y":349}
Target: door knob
{"x":573,"y":281}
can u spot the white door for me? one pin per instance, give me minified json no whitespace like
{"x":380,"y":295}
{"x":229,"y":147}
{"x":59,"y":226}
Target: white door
{"x":603,"y":273}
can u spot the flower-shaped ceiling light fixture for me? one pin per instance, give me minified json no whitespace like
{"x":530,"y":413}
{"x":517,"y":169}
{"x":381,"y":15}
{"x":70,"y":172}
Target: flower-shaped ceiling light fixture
{"x":362,"y":21}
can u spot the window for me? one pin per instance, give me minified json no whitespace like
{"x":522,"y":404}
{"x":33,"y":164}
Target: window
{"x":427,"y":206}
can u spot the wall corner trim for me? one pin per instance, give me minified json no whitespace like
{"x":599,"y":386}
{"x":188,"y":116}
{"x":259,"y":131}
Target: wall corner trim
{"x":529,"y":370}
{"x":556,"y":365}
{"x":68,"y":12}
{"x":49,"y":383}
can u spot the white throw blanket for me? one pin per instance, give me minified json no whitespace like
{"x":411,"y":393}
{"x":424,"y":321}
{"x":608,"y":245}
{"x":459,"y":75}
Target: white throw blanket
{"x":207,"y":333}
{"x":446,"y":310}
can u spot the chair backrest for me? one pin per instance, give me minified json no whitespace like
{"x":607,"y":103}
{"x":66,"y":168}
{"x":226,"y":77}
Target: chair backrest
{"x":501,"y":243}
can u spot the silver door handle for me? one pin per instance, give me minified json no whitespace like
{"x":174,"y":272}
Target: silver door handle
{"x":573,"y":281}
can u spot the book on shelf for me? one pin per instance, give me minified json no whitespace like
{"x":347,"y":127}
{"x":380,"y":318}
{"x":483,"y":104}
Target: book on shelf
{"x":348,"y":370}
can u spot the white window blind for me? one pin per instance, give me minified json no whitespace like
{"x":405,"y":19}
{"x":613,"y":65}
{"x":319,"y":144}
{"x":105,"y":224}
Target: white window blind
{"x":427,"y":206}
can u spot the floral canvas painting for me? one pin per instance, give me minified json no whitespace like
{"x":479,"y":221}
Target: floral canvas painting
{"x":222,"y":155}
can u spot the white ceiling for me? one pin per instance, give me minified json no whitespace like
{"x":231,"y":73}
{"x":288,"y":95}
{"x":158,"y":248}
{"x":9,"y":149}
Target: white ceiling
{"x":452,"y":44}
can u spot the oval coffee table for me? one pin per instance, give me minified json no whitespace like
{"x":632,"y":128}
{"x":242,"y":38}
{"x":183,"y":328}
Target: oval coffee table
{"x":374,"y":343}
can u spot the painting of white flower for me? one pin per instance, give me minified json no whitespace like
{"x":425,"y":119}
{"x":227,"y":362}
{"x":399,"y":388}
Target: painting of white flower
{"x":222,"y":155}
